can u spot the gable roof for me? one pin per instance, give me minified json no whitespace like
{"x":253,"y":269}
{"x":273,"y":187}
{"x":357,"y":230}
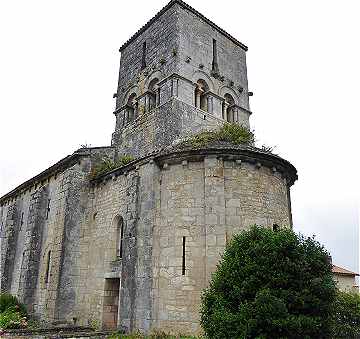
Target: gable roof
{"x":342,"y":271}
{"x":192,"y":10}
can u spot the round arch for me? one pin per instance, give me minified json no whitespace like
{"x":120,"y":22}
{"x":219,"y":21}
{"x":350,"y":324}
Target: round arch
{"x":228,"y":90}
{"x":154,"y":75}
{"x":198,"y":75}
{"x":129,"y":92}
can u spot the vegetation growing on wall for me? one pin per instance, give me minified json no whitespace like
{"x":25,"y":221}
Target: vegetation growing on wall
{"x":229,"y":132}
{"x":106,"y":165}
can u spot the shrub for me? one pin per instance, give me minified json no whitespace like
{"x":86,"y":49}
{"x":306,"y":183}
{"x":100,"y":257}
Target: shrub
{"x":270,"y":285}
{"x":346,"y":315}
{"x":230,"y":132}
{"x":8,"y":301}
{"x":236,"y":134}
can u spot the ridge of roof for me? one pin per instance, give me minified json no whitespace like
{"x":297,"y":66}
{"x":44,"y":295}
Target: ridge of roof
{"x":192,"y":10}
{"x":341,"y":270}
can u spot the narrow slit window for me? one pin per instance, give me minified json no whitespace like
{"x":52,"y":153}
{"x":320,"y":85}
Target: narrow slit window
{"x":22,"y":219}
{"x":47,"y":274}
{"x":120,"y":238}
{"x":215,"y":66}
{"x":183,"y":256}
{"x":143,"y":59}
{"x":48,"y":209}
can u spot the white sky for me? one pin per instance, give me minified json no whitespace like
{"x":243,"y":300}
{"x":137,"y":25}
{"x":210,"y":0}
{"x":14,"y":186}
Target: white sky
{"x":59,"y":65}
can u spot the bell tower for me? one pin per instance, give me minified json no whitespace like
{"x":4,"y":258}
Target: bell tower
{"x":179,"y":74}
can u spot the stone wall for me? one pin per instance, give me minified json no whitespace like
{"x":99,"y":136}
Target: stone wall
{"x":168,"y":123}
{"x":171,"y":204}
{"x":178,"y":208}
{"x":197,"y":43}
{"x":195,"y":200}
{"x":119,"y":197}
{"x":161,"y":41}
{"x":97,"y":257}
{"x":178,"y":57}
{"x":31,"y":263}
{"x":40,"y":237}
{"x":206,"y":202}
{"x":345,"y":283}
{"x":9,"y":236}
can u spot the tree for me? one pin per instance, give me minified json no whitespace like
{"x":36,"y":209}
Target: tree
{"x":270,"y":285}
{"x":346,"y":315}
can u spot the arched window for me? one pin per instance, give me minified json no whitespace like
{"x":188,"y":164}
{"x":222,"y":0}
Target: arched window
{"x":47,"y":272}
{"x":131,"y":111}
{"x":200,"y":95}
{"x":119,"y":224}
{"x":154,"y":95}
{"x":228,"y":108}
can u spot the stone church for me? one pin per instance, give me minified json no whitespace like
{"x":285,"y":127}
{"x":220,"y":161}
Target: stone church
{"x":134,"y":247}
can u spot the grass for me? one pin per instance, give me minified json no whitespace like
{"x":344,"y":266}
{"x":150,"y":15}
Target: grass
{"x":229,"y":132}
{"x":154,"y":335}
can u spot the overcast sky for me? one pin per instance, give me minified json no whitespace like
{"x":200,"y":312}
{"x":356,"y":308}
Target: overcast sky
{"x":59,"y":65}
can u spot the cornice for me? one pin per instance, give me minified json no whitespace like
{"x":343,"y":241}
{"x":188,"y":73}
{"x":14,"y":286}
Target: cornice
{"x":247,"y":154}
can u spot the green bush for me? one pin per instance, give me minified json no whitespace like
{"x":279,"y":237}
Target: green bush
{"x":229,"y":132}
{"x":270,"y":285}
{"x":8,"y":301}
{"x":346,"y":315}
{"x":107,"y":165}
